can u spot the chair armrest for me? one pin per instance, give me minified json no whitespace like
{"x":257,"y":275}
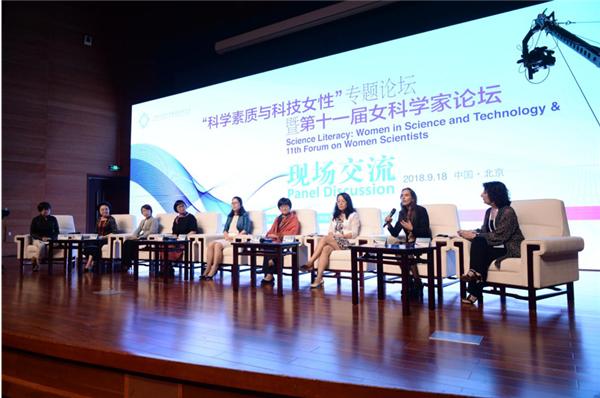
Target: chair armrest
{"x":368,"y":240}
{"x":313,"y":238}
{"x":299,"y":238}
{"x":207,"y":238}
{"x":26,"y":238}
{"x":156,"y":236}
{"x":124,"y":236}
{"x":244,"y":238}
{"x":553,"y":246}
{"x":466,"y":243}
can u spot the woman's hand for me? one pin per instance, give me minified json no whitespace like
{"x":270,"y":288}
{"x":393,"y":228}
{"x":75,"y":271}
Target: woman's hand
{"x":388,"y":219}
{"x":331,"y":234}
{"x":44,"y":239}
{"x":244,"y":232}
{"x":273,"y":236}
{"x":229,"y":239}
{"x":407,"y":225}
{"x":467,"y":234}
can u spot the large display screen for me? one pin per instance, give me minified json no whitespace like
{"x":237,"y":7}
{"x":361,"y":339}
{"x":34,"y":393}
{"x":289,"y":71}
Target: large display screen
{"x":440,"y":112}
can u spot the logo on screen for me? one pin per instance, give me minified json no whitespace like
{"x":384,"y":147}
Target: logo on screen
{"x":144,"y":120}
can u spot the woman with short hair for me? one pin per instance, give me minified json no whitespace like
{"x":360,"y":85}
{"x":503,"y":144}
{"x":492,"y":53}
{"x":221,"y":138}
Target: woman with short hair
{"x":285,"y":224}
{"x":184,"y":224}
{"x":105,"y":225}
{"x":44,"y":227}
{"x":147,"y":227}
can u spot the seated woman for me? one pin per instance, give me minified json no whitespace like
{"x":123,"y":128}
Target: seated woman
{"x":500,"y":237}
{"x":414,"y":220}
{"x":238,"y":223}
{"x":344,"y":225}
{"x":286,"y":224}
{"x":43,"y":228}
{"x":184,"y":224}
{"x":105,"y":225}
{"x":147,"y":227}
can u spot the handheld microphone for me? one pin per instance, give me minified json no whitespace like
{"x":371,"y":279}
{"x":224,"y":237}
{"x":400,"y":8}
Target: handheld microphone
{"x":390,"y":215}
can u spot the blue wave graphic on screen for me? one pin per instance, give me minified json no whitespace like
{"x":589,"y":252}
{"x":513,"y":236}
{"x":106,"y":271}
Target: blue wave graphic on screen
{"x":167,"y":180}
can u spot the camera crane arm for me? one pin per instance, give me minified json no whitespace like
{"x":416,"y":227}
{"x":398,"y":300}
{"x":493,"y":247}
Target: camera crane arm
{"x":541,"y":57}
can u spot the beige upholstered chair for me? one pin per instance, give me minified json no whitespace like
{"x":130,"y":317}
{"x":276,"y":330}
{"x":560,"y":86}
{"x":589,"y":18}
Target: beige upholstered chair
{"x":165,"y":227}
{"x":309,"y":225}
{"x":25,"y":248}
{"x":258,"y":226}
{"x":209,"y":223}
{"x":549,"y":255}
{"x":443,"y":220}
{"x":339,"y":260}
{"x":126,"y":226}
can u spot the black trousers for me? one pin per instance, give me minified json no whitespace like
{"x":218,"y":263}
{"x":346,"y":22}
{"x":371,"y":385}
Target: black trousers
{"x":127,"y":254}
{"x":91,"y":249}
{"x":270,"y":269}
{"x":482,"y":255}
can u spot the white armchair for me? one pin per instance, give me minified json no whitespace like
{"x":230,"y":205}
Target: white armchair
{"x":339,"y":260}
{"x":165,"y":227}
{"x":125,"y":225}
{"x":549,"y":255}
{"x":210,"y":225}
{"x":309,"y":224}
{"x":443,"y":220}
{"x":26,"y":249}
{"x":258,"y":226}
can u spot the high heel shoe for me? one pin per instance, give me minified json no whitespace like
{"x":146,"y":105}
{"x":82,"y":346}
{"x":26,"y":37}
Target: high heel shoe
{"x":36,"y":266}
{"x":210,"y":277}
{"x":469,"y":276}
{"x":317,"y":284}
{"x":306,"y":268}
{"x":471,"y":300}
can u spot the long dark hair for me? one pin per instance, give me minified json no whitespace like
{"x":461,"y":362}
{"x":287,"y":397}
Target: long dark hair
{"x":242,"y":210}
{"x":405,"y":209}
{"x":497,"y":193}
{"x":349,"y":208}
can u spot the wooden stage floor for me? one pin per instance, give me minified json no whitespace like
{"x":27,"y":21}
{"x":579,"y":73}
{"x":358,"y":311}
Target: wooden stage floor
{"x":201,"y":336}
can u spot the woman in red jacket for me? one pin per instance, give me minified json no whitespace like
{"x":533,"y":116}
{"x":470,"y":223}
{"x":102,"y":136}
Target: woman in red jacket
{"x":286,"y":224}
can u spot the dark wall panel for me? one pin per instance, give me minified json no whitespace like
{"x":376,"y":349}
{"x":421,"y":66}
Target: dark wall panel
{"x":59,"y":109}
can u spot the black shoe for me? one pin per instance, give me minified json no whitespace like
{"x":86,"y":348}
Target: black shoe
{"x":470,"y":300}
{"x":36,"y":267}
{"x":471,"y":275}
{"x":90,"y":269}
{"x":266,"y":282}
{"x":202,"y":277}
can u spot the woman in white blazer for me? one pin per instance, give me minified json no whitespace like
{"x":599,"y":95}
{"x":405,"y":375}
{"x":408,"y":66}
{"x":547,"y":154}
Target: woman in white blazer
{"x":344,"y":225}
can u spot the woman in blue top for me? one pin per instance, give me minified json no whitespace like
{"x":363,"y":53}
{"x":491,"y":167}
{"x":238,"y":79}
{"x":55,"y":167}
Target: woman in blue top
{"x":238,"y":223}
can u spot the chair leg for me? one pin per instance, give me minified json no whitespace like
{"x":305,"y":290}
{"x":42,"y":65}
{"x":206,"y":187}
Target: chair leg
{"x":570,"y":292}
{"x":503,"y":295}
{"x":362,"y":279}
{"x":532,"y":299}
